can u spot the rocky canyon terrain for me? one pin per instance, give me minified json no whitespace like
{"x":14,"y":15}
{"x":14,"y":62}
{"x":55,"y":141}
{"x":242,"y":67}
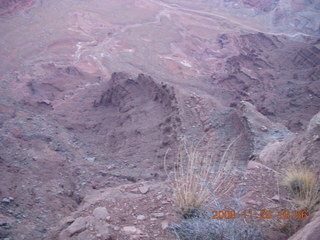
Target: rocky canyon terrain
{"x":96,"y":97}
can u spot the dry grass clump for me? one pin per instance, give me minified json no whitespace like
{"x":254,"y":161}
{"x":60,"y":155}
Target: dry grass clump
{"x":303,"y":183}
{"x":198,"y":181}
{"x":191,"y":181}
{"x":197,"y":178}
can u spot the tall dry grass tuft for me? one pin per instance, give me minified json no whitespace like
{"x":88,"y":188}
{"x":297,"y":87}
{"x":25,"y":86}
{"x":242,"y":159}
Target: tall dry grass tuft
{"x":303,"y":183}
{"x":200,"y":180}
{"x":197,"y":178}
{"x":191,"y":179}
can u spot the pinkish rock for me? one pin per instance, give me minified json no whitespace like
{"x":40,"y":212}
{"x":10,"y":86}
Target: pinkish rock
{"x":100,"y":213}
{"x":141,"y":217}
{"x":158,"y":215}
{"x":103,"y":230}
{"x":260,"y":128}
{"x":131,"y":230}
{"x":254,"y":202}
{"x":314,"y":124}
{"x":79,"y":225}
{"x":144,"y":189}
{"x":253,"y":165}
{"x":311,"y":231}
{"x":276,"y":198}
{"x":164,"y":225}
{"x":85,"y":235}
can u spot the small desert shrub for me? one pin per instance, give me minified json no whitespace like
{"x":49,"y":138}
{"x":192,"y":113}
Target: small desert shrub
{"x":304,"y":185}
{"x":203,"y":227}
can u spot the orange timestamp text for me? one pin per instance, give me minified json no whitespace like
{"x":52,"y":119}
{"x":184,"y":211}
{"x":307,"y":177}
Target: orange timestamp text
{"x":263,"y":214}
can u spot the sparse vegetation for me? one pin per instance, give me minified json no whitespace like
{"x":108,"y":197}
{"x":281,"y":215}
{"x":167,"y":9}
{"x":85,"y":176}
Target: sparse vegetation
{"x":197,"y":181}
{"x":303,"y":183}
{"x":191,"y":182}
{"x":203,"y":227}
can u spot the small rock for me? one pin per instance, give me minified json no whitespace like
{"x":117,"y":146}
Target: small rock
{"x":43,"y":230}
{"x":85,"y":235}
{"x":316,"y":138}
{"x":154,"y":175}
{"x":103,"y":230}
{"x":103,"y":173}
{"x":83,"y":183}
{"x":46,"y":101}
{"x":264,"y":129}
{"x":11,"y":198}
{"x":158,"y":215}
{"x":100,"y":213}
{"x":79,"y":225}
{"x":141,"y":217}
{"x":5,"y":200}
{"x":276,"y":198}
{"x":134,"y":190}
{"x":254,"y":202}
{"x":2,"y":223}
{"x":7,"y":227}
{"x":253,"y":165}
{"x":144,"y":189}
{"x":164,"y":225}
{"x":131,"y":230}
{"x":69,"y":220}
{"x":110,"y":167}
{"x":91,"y":159}
{"x":132,"y":166}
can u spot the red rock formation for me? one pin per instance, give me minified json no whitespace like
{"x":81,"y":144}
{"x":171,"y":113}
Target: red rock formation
{"x":73,"y":127}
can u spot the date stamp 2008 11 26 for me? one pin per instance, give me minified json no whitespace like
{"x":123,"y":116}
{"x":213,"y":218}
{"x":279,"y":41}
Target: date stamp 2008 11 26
{"x":263,"y":214}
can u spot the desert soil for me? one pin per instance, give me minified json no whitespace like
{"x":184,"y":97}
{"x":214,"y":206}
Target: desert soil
{"x":95,"y":94}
